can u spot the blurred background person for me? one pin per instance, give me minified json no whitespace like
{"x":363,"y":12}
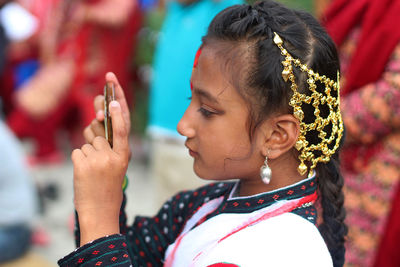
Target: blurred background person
{"x":368,"y":38}
{"x":186,"y":21}
{"x":18,"y":195}
{"x":18,"y":200}
{"x":79,"y":42}
{"x":18,"y":26}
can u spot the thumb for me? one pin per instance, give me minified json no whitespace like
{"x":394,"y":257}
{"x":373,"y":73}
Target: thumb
{"x":120,"y":131}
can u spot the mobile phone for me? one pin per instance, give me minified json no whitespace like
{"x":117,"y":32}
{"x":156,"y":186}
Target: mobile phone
{"x":109,"y":95}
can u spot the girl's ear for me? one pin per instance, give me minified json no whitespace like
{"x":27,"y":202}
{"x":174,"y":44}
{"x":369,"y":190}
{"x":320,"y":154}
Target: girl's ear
{"x":281,"y":135}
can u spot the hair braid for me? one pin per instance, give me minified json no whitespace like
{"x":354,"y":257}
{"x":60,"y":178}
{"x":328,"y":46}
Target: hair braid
{"x":333,"y":228}
{"x":330,"y":180}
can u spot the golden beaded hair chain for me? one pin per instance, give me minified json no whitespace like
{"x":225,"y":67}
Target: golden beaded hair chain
{"x":321,"y":152}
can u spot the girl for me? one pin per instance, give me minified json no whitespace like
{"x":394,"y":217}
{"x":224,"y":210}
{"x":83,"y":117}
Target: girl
{"x":264,"y":94}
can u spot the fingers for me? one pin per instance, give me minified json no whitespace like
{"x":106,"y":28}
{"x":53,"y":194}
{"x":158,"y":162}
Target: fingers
{"x":99,"y":107}
{"x":88,"y":134}
{"x":101,"y":144}
{"x":120,"y":132}
{"x":120,"y":97}
{"x":87,"y":150}
{"x":95,"y":128}
{"x":77,"y":156}
{"x":90,"y":150}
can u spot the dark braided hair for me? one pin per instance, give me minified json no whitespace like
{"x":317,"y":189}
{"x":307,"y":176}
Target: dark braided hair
{"x":244,"y":35}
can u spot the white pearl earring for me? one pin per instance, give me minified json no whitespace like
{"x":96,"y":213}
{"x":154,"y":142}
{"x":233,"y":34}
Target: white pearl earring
{"x":265,"y":172}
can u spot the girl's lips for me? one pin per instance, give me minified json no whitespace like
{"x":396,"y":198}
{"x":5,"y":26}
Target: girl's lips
{"x":192,"y":153}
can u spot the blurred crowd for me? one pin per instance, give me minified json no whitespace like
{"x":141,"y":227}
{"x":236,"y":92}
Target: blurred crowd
{"x":53,"y":58}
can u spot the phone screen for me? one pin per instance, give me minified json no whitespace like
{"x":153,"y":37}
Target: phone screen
{"x":109,"y":95}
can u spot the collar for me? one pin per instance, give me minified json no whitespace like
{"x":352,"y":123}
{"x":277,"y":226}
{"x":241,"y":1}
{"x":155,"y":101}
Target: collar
{"x":233,"y":204}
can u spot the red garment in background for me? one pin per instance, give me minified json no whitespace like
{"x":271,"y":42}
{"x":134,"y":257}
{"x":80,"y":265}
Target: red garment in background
{"x":378,"y":20}
{"x":41,"y":10}
{"x":116,"y":46}
{"x":113,"y":46}
{"x":388,"y":253}
{"x":379,"y":36}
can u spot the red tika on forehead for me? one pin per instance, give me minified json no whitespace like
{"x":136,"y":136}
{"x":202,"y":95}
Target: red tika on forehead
{"x":196,"y":58}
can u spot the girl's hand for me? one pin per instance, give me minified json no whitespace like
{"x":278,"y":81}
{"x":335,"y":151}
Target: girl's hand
{"x":96,"y":128}
{"x":99,"y":171}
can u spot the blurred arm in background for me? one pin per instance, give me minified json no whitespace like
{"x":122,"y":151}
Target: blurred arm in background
{"x":18,"y":199}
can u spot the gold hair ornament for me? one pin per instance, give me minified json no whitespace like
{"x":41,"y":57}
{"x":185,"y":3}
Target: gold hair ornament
{"x":308,"y":151}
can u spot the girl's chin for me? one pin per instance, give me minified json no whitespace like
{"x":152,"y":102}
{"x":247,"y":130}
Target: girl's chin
{"x":204,"y":175}
{"x":207,"y":175}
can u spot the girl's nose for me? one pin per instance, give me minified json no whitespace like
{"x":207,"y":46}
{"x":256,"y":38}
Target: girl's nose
{"x":185,"y":127}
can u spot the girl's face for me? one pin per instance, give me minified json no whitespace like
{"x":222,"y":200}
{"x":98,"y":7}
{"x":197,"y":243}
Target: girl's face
{"x":215,"y":124}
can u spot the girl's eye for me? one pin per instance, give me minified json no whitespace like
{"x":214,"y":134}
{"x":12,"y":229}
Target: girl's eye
{"x":206,"y":113}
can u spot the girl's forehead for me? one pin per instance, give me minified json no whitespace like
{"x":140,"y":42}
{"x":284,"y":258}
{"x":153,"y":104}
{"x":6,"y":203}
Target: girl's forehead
{"x":212,"y":76}
{"x":212,"y":63}
{"x":205,"y":53}
{"x":209,"y":69}
{"x":229,"y":59}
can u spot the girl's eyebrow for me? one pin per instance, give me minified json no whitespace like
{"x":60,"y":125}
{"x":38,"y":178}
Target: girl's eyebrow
{"x":205,"y":94}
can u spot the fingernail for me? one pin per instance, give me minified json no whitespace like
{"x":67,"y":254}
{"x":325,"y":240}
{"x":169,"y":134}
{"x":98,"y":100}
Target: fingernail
{"x":99,"y":115}
{"x":114,"y":104}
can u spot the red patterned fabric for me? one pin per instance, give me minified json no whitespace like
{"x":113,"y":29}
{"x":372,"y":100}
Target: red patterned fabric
{"x":388,"y":253}
{"x":371,"y":157}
